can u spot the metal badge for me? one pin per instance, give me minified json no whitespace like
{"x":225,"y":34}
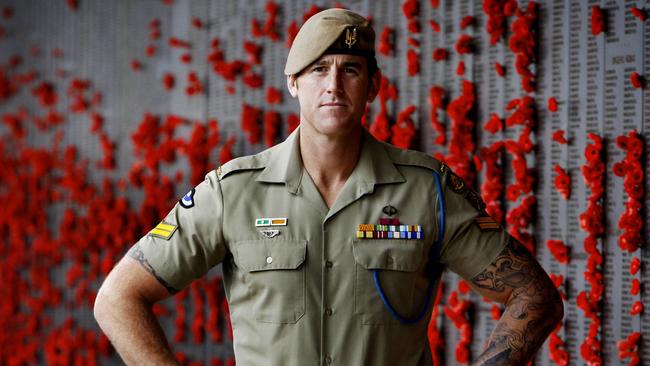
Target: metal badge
{"x":389,"y":210}
{"x":270,"y":233}
{"x":350,"y":37}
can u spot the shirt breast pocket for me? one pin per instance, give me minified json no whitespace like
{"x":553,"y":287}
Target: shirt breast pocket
{"x":274,"y":277}
{"x":400,"y":265}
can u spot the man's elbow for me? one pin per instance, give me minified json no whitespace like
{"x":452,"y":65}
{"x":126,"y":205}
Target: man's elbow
{"x":101,"y":308}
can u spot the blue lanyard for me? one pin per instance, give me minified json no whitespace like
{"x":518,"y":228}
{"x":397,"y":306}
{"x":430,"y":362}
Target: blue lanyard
{"x":432,"y":272}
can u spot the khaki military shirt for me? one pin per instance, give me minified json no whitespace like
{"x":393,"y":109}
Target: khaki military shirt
{"x":301,"y":291}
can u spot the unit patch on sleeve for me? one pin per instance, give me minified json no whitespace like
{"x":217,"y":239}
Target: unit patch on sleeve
{"x":163,"y":230}
{"x":457,"y":185}
{"x":188,"y":200}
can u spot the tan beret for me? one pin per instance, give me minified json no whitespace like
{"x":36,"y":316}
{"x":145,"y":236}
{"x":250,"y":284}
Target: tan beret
{"x":331,"y":31}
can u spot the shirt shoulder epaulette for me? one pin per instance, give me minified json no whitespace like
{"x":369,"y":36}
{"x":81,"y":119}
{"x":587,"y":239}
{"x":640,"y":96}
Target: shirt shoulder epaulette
{"x":413,"y":158}
{"x":249,"y":162}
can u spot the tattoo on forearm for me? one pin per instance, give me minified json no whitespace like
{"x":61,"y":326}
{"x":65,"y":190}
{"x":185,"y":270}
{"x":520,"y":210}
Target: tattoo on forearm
{"x":532,"y":310}
{"x":136,"y":253}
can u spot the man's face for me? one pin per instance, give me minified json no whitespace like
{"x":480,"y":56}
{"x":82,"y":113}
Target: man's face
{"x":333,"y":92}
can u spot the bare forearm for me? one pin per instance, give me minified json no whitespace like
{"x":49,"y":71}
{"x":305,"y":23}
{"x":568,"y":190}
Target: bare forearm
{"x":533,"y":306}
{"x":518,"y":335}
{"x":134,"y":331}
{"x":123,"y":309}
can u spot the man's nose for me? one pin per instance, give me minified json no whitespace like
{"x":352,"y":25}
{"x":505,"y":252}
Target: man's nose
{"x":334,"y":81}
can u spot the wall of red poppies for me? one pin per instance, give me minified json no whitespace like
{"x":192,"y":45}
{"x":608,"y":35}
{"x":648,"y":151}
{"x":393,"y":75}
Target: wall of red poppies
{"x":109,"y":111}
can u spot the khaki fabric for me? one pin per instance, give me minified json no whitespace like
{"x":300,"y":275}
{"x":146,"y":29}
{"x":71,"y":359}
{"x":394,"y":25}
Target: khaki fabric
{"x":306,"y":296}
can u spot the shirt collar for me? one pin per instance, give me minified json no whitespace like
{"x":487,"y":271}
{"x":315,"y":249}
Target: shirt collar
{"x":374,"y":165}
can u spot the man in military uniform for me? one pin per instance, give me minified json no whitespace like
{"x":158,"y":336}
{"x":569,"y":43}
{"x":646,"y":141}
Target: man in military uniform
{"x":332,"y":243}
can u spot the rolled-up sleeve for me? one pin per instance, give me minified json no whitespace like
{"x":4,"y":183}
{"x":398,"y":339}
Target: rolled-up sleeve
{"x":189,"y":241}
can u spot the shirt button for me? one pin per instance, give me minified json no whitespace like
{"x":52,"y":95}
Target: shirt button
{"x":328,"y":360}
{"x":328,"y":312}
{"x":329,"y":264}
{"x":269,"y":260}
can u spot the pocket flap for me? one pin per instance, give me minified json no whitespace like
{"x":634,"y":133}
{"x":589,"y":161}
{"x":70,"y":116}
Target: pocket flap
{"x":269,"y":254}
{"x":393,"y":254}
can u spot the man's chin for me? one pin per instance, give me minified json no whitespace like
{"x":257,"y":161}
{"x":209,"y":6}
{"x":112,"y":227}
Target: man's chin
{"x":338,"y":129}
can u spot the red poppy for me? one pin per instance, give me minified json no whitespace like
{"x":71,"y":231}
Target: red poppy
{"x":413,"y":42}
{"x":272,"y":121}
{"x":404,"y":129}
{"x":46,"y":94}
{"x":250,"y":120}
{"x":637,"y":308}
{"x":273,"y":95}
{"x":225,"y":155}
{"x":440,"y":54}
{"x":411,"y":8}
{"x":7,"y":12}
{"x":413,"y":26}
{"x":413,"y":63}
{"x":636,"y":286}
{"x":464,"y":44}
{"x":496,"y":312}
{"x":186,"y":58}
{"x":460,"y":69}
{"x":254,"y":52}
{"x":467,"y":21}
{"x":434,"y":25}
{"x":136,"y":65}
{"x":635,"y":266}
{"x":637,"y":80}
{"x":386,"y":38}
{"x":559,"y":250}
{"x":179,"y":43}
{"x":494,"y":124}
{"x":639,"y":13}
{"x":253,"y":80}
{"x":499,"y":69}
{"x":73,"y":4}
{"x":558,"y":136}
{"x":562,"y":182}
{"x":597,"y":20}
{"x":292,"y":31}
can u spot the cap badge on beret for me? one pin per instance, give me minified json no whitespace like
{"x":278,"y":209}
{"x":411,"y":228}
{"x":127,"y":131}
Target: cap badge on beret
{"x":351,"y":36}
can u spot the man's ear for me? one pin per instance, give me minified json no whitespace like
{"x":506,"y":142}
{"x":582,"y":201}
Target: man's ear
{"x":375,"y":84}
{"x":292,"y":85}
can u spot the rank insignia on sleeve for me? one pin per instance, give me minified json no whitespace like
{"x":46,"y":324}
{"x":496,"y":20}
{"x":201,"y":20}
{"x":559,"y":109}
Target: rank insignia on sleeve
{"x":188,"y":199}
{"x":163,"y":230}
{"x":486,"y":223}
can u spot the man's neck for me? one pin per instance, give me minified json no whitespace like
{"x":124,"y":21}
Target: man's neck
{"x":329,"y":160}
